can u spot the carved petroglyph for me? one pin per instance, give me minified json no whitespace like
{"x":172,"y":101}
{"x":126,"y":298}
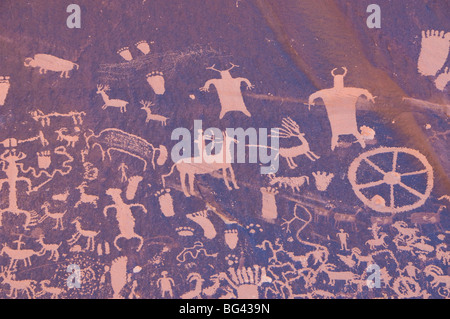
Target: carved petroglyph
{"x":340,"y":103}
{"x":124,"y":217}
{"x":433,"y":52}
{"x":391,"y":177}
{"x":117,"y":140}
{"x":47,"y":62}
{"x":229,"y":91}
{"x":291,"y":129}
{"x":4,"y":89}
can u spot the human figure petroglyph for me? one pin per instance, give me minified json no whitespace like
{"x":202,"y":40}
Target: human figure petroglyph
{"x":11,"y":167}
{"x":229,"y":91}
{"x":121,"y":104}
{"x":52,"y":248}
{"x":391,"y":177}
{"x":4,"y":89}
{"x":165,"y":284}
{"x":340,"y":103}
{"x":150,"y":116}
{"x":291,"y":129}
{"x":123,"y":172}
{"x":89,"y":234}
{"x":342,"y":236}
{"x":124,"y":217}
{"x":12,"y":156}
{"x":113,"y":139}
{"x":44,"y":119}
{"x":47,"y":62}
{"x":434,"y":51}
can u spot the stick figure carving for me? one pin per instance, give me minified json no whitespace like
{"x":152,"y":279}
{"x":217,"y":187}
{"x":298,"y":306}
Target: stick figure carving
{"x":229,"y":91}
{"x":340,"y":102}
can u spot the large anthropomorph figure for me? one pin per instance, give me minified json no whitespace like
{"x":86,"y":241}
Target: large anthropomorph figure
{"x":229,"y":91}
{"x":340,"y":102}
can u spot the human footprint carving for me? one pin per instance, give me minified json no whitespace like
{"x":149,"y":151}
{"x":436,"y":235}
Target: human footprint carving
{"x":201,"y":218}
{"x":434,"y":52}
{"x":231,"y":238}
{"x":442,"y":79}
{"x":4,"y":88}
{"x":156,"y":80}
{"x":125,"y":53}
{"x":143,"y":46}
{"x":165,"y":202}
{"x":269,"y":204}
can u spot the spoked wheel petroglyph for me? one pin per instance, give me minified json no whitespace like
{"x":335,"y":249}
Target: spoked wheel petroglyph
{"x":391,"y":177}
